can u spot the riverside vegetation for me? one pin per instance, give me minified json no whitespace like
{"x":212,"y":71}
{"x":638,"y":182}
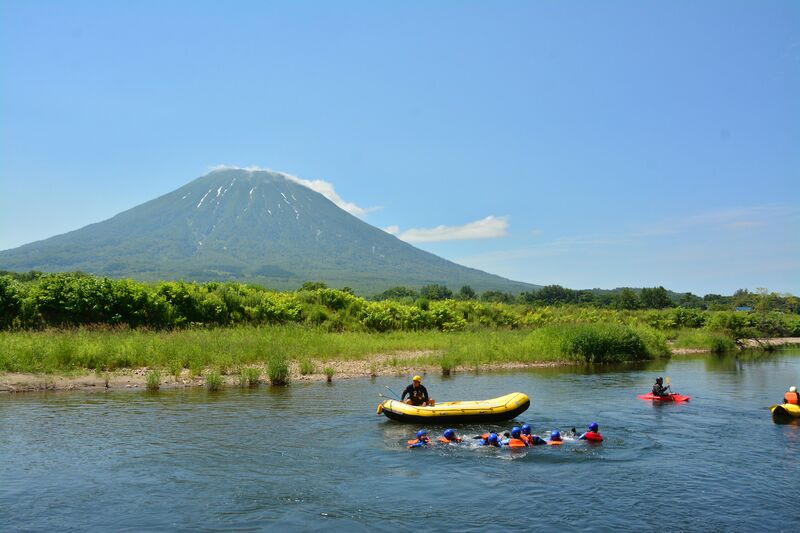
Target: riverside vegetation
{"x":57,"y":323}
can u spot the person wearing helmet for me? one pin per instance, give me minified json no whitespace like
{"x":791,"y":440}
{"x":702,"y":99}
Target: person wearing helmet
{"x":555,"y":438}
{"x":792,"y":396}
{"x":417,"y":393}
{"x":592,"y":434}
{"x":530,"y":440}
{"x":449,"y":437}
{"x":659,"y":389}
{"x":490,"y":439}
{"x":515,"y":439}
{"x":421,"y":440}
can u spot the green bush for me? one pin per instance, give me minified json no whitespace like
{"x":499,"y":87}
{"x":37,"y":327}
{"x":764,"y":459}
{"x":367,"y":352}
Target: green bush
{"x":278,"y":371}
{"x":604,"y":343}
{"x":153,"y":380}
{"x":214,"y":381}
{"x":249,"y":377}
{"x":306,"y":367}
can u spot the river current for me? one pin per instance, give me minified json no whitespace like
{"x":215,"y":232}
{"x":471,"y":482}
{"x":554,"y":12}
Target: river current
{"x":315,"y":456}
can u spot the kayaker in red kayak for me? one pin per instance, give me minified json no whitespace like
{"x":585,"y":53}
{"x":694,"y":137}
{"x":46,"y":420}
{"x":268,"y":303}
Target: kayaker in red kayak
{"x":592,"y":434}
{"x":659,"y":389}
{"x":791,"y":396}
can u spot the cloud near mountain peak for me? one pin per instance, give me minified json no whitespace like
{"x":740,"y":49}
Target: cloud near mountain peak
{"x":490,"y":227}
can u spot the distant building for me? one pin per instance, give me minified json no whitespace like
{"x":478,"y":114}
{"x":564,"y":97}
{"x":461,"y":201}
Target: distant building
{"x":744,"y":308}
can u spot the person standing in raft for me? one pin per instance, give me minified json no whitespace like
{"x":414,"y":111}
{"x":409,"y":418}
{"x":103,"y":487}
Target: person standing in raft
{"x":449,"y":437}
{"x":417,"y":393}
{"x":659,"y":389}
{"x":421,"y":440}
{"x":792,"y":396}
{"x":592,"y":434}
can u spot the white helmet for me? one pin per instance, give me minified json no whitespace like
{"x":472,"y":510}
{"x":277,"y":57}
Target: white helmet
{"x":792,"y":389}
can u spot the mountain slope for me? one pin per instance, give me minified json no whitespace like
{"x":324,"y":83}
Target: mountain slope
{"x":254,"y":226}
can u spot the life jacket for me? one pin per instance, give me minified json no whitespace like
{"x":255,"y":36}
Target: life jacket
{"x":516,"y":443}
{"x":792,"y":398}
{"x":555,"y":442}
{"x":593,"y":436}
{"x":445,"y":440}
{"x":528,"y":439}
{"x":418,"y":442}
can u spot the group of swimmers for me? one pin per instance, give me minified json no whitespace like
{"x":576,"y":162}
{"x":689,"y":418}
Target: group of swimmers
{"x":518,"y":437}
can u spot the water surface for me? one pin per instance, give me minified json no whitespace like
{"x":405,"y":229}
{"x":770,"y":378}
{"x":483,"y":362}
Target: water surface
{"x":316,"y":457}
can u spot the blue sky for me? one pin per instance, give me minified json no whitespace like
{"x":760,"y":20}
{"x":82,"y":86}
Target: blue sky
{"x":586,"y":144}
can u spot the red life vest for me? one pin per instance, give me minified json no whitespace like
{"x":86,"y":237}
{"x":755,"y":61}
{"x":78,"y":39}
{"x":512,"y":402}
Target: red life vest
{"x":554,"y":442}
{"x":792,"y":398}
{"x":424,"y":440}
{"x":445,"y":440}
{"x":528,"y":439}
{"x":516,"y":443}
{"x":593,"y":436}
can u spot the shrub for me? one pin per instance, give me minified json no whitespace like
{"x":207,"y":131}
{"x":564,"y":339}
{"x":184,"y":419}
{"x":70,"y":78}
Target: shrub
{"x":214,"y":381}
{"x":604,"y":343}
{"x":153,"y":380}
{"x":278,"y":370}
{"x":249,"y":377}
{"x":329,"y":372}
{"x":306,"y":367}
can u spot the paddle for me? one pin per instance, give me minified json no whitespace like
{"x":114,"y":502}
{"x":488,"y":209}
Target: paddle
{"x":393,"y":392}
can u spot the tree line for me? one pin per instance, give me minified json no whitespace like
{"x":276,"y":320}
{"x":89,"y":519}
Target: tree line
{"x":36,"y":301}
{"x":624,"y":298}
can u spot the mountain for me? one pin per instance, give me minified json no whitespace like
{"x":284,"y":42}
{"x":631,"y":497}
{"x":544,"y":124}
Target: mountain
{"x":252,"y":226}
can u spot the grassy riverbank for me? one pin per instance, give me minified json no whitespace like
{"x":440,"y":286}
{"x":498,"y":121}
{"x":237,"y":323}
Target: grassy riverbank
{"x":226,"y":349}
{"x":97,"y":359}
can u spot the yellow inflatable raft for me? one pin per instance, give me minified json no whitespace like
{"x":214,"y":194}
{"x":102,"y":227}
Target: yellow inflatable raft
{"x":464,"y":412}
{"x":785,"y":409}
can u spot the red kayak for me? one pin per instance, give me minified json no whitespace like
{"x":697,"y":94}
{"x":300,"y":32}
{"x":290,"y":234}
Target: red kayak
{"x":669,"y":398}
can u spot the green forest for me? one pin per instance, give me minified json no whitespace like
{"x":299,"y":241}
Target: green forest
{"x":37,"y":301}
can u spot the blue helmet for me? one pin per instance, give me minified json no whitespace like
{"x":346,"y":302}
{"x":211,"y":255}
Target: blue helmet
{"x":449,"y":433}
{"x":421,"y":433}
{"x":555,"y":435}
{"x":526,"y":429}
{"x":593,"y":426}
{"x":515,"y":432}
{"x":492,"y":438}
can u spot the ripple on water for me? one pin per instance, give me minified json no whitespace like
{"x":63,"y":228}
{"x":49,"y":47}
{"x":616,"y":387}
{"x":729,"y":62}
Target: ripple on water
{"x":313,"y":456}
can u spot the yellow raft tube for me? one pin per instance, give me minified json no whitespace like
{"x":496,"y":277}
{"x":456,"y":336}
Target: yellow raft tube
{"x":785,"y":410}
{"x":463,"y":412}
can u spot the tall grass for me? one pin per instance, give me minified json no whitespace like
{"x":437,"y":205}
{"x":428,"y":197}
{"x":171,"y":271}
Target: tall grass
{"x":712,"y":341}
{"x":249,"y":377}
{"x":329,"y":372}
{"x":153,"y":380}
{"x":306,"y":366}
{"x":62,"y":351}
{"x":278,"y":370}
{"x":214,"y":381}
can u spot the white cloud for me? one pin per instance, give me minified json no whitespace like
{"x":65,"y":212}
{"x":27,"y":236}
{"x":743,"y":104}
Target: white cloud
{"x":490,"y":227}
{"x":325,"y":188}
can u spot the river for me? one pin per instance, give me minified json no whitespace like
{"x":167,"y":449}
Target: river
{"x":316,"y":457}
